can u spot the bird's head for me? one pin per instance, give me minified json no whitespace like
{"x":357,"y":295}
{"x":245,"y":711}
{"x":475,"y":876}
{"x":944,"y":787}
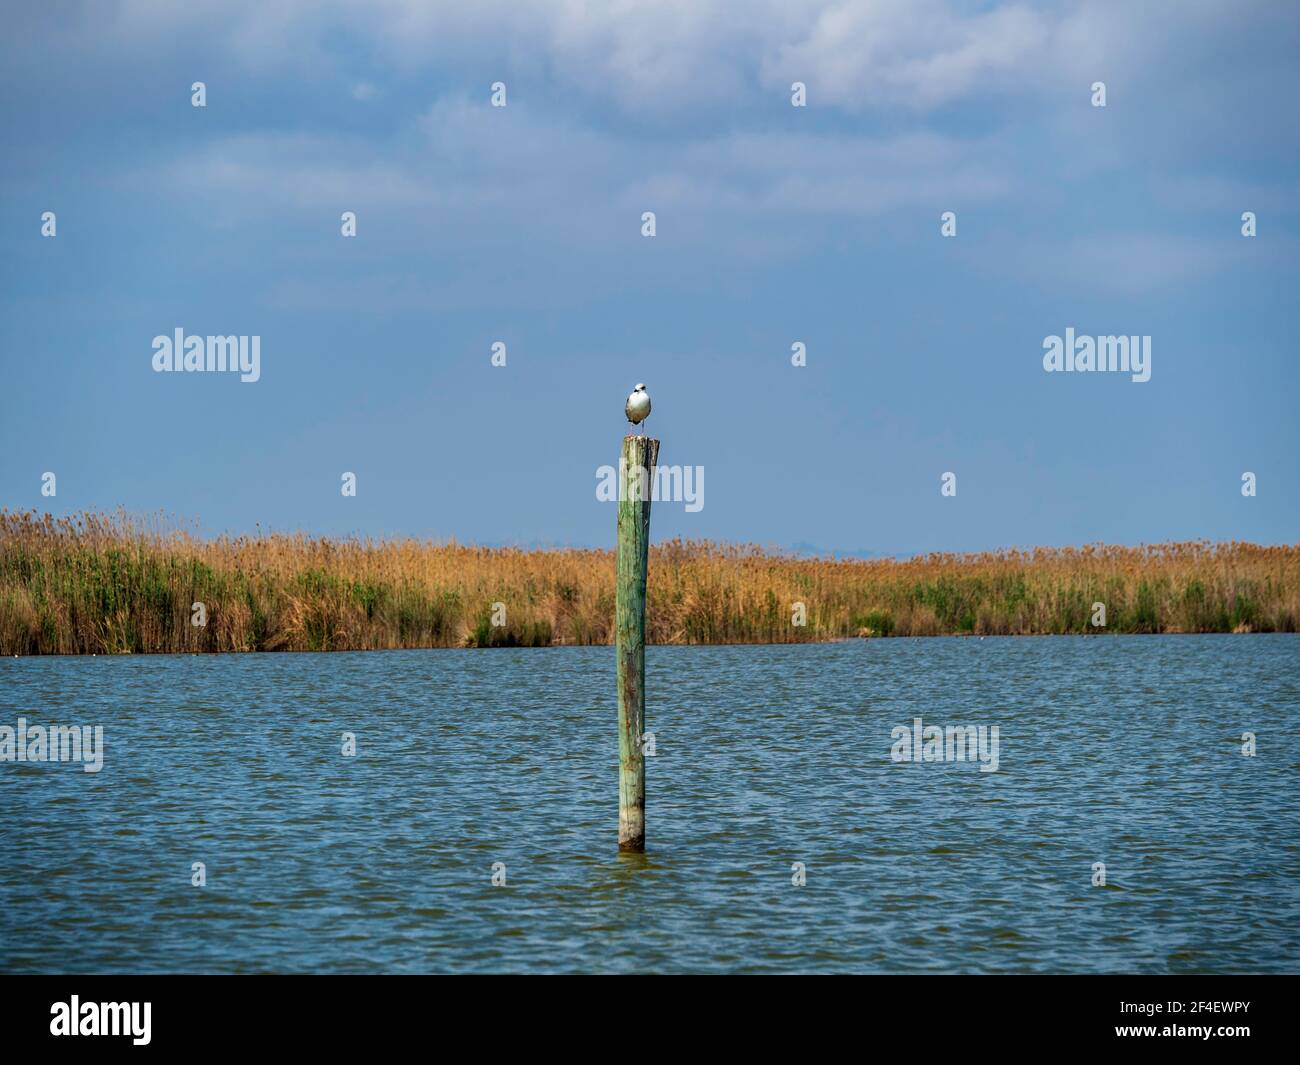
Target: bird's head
{"x":639,"y":388}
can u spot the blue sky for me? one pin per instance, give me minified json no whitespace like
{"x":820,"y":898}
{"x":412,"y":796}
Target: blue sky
{"x":775,"y":224}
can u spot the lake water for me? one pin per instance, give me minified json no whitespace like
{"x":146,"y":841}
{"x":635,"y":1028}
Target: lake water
{"x":1122,"y":750}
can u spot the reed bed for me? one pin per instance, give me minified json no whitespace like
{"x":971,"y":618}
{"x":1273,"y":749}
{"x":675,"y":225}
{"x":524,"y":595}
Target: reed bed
{"x":116,"y":584}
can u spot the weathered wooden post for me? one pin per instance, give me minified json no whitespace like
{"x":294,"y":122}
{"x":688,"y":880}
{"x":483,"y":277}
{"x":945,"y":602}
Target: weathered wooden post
{"x":636,"y":477}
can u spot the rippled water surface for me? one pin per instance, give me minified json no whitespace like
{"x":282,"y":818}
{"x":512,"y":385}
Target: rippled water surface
{"x":1122,"y":750}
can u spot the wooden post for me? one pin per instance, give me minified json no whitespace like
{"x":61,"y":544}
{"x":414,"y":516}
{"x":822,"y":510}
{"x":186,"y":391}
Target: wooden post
{"x":636,"y":477}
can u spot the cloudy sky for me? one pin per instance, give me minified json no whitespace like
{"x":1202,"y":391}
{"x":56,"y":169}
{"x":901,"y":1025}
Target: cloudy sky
{"x":775,"y":225}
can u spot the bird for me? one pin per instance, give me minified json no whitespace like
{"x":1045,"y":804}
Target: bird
{"x":637,"y":407}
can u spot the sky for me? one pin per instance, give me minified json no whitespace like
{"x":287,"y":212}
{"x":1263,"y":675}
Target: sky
{"x":775,"y":225}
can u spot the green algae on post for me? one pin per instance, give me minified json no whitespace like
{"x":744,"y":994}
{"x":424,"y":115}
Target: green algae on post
{"x":633,"y":557}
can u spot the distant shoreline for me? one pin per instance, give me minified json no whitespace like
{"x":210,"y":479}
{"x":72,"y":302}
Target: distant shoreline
{"x":556,"y":646}
{"x":112,"y":584}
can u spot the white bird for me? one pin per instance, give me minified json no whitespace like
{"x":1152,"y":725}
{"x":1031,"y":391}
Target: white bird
{"x":637,"y":407}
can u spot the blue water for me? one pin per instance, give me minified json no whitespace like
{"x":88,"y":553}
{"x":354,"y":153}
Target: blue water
{"x":1122,"y":750}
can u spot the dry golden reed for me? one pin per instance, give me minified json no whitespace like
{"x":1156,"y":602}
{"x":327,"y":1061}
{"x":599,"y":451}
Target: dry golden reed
{"x":114,"y":584}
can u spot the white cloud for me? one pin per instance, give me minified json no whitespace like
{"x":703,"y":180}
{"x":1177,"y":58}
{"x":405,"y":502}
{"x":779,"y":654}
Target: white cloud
{"x":917,"y":55}
{"x":1124,"y":264}
{"x":465,"y":155}
{"x":665,"y":57}
{"x":706,"y":61}
{"x":853,"y":174}
{"x":570,"y":146}
{"x":270,"y":171}
{"x":1228,"y":196}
